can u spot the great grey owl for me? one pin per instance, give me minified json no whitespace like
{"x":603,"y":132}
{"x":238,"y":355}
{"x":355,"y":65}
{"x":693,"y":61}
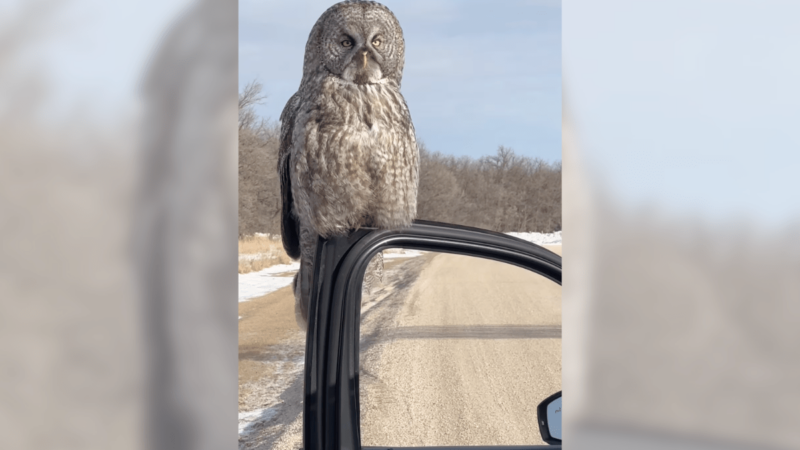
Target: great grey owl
{"x":348,"y":156}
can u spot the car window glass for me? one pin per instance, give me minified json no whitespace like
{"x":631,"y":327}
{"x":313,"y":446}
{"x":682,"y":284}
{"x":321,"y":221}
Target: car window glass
{"x":455,"y":350}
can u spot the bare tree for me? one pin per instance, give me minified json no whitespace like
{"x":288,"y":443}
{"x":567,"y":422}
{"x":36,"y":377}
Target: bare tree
{"x":259,"y":189}
{"x":250,"y":97}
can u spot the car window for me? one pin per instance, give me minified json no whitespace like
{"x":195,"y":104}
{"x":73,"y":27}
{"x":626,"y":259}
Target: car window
{"x":455,"y":350}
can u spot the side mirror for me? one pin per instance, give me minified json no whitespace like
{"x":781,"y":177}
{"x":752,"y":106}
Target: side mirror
{"x":549,"y":415}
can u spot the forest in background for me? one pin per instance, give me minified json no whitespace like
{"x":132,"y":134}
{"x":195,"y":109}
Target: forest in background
{"x":501,"y":192}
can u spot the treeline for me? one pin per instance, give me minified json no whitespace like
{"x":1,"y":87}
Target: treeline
{"x":259,"y":187}
{"x":503,"y":192}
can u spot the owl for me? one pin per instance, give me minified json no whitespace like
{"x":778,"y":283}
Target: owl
{"x":348,"y":156}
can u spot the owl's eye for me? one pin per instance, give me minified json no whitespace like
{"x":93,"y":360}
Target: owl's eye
{"x":376,"y":42}
{"x":347,"y":43}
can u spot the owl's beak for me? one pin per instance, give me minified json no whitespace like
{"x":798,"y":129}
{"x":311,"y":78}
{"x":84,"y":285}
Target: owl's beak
{"x":365,"y":58}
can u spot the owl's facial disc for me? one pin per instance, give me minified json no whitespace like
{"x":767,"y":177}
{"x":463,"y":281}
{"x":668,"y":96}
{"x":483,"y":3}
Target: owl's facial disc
{"x":363,"y":67}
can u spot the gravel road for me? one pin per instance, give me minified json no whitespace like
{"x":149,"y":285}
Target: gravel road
{"x":454,"y":351}
{"x":463,"y":358}
{"x":271,"y":357}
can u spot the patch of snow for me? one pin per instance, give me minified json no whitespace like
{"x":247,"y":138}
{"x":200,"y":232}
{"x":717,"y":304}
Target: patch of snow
{"x":402,"y":254}
{"x":256,"y":284}
{"x":279,"y":269}
{"x":249,"y":420}
{"x":539,"y":238}
{"x":286,"y":367}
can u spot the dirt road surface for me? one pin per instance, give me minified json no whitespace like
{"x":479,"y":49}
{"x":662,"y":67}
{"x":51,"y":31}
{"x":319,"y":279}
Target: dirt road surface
{"x":464,"y":359}
{"x":271,"y":358}
{"x":454,"y":351}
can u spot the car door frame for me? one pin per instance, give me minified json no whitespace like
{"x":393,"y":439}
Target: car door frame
{"x":331,"y":415}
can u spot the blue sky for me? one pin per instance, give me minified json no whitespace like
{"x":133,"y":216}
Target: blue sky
{"x":478,"y":74}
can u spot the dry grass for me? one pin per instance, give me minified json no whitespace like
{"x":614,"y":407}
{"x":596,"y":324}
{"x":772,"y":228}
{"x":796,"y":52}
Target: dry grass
{"x":259,"y":252}
{"x":260,"y":243}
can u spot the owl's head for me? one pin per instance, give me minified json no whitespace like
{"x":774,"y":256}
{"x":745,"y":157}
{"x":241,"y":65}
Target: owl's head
{"x":357,"y":41}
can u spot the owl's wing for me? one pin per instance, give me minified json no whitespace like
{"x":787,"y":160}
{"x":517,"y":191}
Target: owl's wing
{"x":290,"y":230}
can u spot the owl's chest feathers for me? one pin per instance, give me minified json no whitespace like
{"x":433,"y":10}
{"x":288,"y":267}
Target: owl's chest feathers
{"x":370,"y":114}
{"x":355,"y":157}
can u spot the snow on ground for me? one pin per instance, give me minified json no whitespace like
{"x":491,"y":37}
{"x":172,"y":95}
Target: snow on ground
{"x":256,"y":284}
{"x":539,"y":238}
{"x":401,"y":254}
{"x":287,"y":364}
{"x":248,"y":420}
